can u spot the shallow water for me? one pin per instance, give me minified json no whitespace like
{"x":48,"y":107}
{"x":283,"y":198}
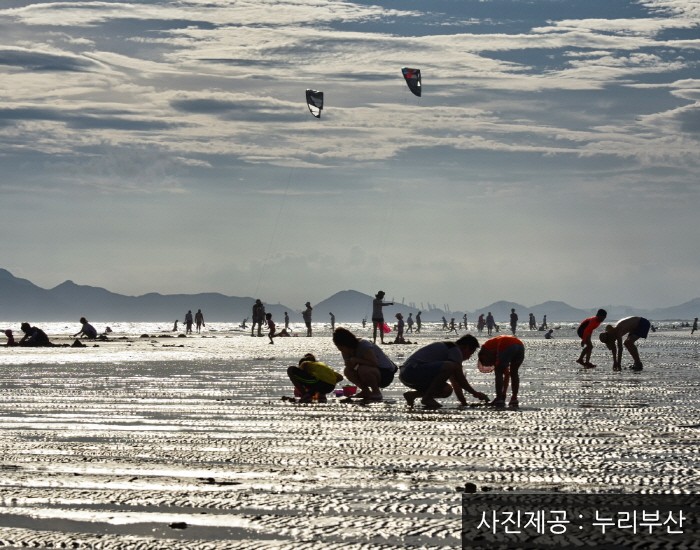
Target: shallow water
{"x":186,"y":443}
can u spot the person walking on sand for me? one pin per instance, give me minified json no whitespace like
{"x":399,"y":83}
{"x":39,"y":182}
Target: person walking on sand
{"x":506,"y":355}
{"x":513,"y":321}
{"x":313,"y":379}
{"x":409,"y":323}
{"x":199,"y":320}
{"x":271,"y":327}
{"x":585,"y":330}
{"x":306,"y":314}
{"x":188,"y":322}
{"x":418,"y":321}
{"x":378,"y":316}
{"x":533,"y":322}
{"x":635,"y":328}
{"x":366,"y":365}
{"x":490,"y":323}
{"x":87,"y":330}
{"x":286,"y":321}
{"x":435,"y":371}
{"x":544,"y":326}
{"x":452,"y":327}
{"x":695,"y":326}
{"x":258,"y":316}
{"x":332,"y":321}
{"x":480,"y":323}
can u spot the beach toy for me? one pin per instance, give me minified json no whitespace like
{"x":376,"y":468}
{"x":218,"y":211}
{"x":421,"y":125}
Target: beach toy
{"x":386,"y":329}
{"x":349,"y":391}
{"x":484,"y":368}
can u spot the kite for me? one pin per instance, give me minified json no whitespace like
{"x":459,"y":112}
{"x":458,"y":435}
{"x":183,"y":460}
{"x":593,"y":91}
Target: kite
{"x":314,"y":100}
{"x":412,"y":77}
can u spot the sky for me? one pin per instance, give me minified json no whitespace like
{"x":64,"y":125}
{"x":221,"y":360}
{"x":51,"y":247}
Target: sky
{"x":166,"y":146}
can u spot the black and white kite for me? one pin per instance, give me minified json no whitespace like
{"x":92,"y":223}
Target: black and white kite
{"x":314,"y":100}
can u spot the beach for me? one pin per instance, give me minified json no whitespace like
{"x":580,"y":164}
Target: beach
{"x":150,"y":440}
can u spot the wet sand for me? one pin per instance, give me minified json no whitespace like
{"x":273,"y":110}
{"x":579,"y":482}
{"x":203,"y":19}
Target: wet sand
{"x":187,"y":443}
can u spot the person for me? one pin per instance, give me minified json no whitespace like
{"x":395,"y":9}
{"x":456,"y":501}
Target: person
{"x":490,"y":323}
{"x":33,"y":337}
{"x":366,"y":365}
{"x":444,"y":323}
{"x":549,"y":335}
{"x":199,"y":320}
{"x":271,"y":327}
{"x":313,"y":379}
{"x":175,"y":325}
{"x":306,"y":314}
{"x":258,"y":316}
{"x":635,"y":328}
{"x":513,"y":321}
{"x":10,"y":338}
{"x":87,"y":330}
{"x":585,"y":330}
{"x":480,"y":323}
{"x":409,"y":322}
{"x":464,"y":321}
{"x":533,"y":322}
{"x":435,"y":371}
{"x":506,"y":355}
{"x":286,"y":321}
{"x":695,"y":326}
{"x":378,"y":316}
{"x":332,"y":321}
{"x":418,"y":321}
{"x":188,"y":322}
{"x":452,"y":327}
{"x":399,"y":329}
{"x":544,"y":326}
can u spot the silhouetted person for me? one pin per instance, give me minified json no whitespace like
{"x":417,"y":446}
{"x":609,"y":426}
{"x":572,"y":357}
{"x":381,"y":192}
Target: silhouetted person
{"x":378,"y":315}
{"x":199,"y":320}
{"x":87,"y":330}
{"x":306,"y":314}
{"x":189,"y":321}
{"x":33,"y":337}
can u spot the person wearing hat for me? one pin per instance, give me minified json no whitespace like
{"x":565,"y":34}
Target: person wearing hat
{"x":306,"y":314}
{"x":634,"y":328}
{"x":505,"y":354}
{"x":435,"y":370}
{"x":378,"y":316}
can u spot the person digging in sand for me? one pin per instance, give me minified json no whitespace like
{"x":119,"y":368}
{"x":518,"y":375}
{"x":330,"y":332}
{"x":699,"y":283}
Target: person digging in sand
{"x":435,"y":371}
{"x":313,"y":379}
{"x":585,"y":330}
{"x":506,"y":355}
{"x":634,"y":328}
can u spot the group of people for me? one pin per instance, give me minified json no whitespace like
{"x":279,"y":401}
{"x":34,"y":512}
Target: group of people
{"x":34,"y":337}
{"x":432,"y":372}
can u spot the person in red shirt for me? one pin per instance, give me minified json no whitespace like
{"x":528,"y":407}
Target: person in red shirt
{"x":506,"y":354}
{"x":585,"y":330}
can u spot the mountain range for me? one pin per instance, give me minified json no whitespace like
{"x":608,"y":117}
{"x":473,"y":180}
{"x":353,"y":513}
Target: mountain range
{"x":22,"y":300}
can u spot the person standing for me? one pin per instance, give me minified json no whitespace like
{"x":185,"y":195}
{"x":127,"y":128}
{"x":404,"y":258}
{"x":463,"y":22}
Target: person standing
{"x":409,"y":323}
{"x":378,"y":315}
{"x":490,"y":323}
{"x":695,"y":326}
{"x":258,"y":316}
{"x":585,"y":330}
{"x":286,"y":321}
{"x":188,"y":322}
{"x":199,"y":320}
{"x":533,"y":322}
{"x":332,"y":321}
{"x":480,"y":323}
{"x":306,"y":314}
{"x":634,"y":328}
{"x":418,"y":321}
{"x":513,"y":321}
{"x":399,"y":329}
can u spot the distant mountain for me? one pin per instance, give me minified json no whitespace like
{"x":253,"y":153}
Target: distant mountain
{"x":22,"y":300}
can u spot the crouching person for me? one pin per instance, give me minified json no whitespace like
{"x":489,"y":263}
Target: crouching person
{"x":428,"y":370}
{"x":506,"y":355}
{"x":313,"y":379}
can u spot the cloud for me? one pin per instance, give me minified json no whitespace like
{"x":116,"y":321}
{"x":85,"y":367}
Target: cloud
{"x":44,"y":61}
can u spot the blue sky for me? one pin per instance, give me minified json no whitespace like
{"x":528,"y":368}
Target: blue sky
{"x":166,"y":146}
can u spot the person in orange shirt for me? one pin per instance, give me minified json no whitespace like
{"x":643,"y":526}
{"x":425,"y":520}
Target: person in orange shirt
{"x":505,"y":354}
{"x":585,"y":330}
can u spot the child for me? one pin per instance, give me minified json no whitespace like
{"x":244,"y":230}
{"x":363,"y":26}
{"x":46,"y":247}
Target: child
{"x":10,"y":338}
{"x":271,"y":326}
{"x":313,"y":379}
{"x":506,"y":354}
{"x":585,"y":330}
{"x":399,"y":330}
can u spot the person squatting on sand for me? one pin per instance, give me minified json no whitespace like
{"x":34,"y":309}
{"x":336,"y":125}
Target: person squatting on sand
{"x":313,"y":379}
{"x":366,"y":365}
{"x":33,"y":337}
{"x":506,"y":355}
{"x":634,"y":328}
{"x":585,"y":330}
{"x":87,"y":330}
{"x":428,"y":370}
